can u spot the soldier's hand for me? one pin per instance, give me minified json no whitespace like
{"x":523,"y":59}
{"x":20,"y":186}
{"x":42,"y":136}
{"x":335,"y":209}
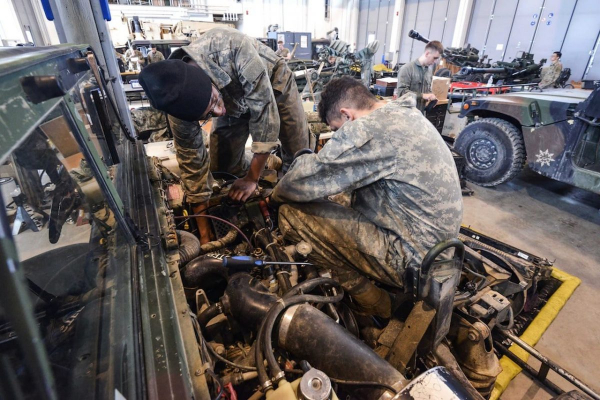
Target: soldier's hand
{"x":242,"y":189}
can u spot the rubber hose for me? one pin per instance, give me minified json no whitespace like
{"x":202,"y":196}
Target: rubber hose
{"x":219,"y":243}
{"x":200,"y":267}
{"x":307,"y":286}
{"x":189,"y":247}
{"x":263,"y":377}
{"x":212,"y":311}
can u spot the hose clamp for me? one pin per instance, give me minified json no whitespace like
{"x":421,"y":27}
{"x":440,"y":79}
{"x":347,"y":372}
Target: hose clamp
{"x":268,"y":385}
{"x":284,"y":324}
{"x":280,"y":375}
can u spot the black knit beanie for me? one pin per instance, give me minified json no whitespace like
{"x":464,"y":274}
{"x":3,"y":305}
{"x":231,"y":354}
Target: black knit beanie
{"x":177,"y":88}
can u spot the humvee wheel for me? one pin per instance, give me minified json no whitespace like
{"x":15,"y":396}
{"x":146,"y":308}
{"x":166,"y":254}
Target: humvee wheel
{"x":493,"y":149}
{"x":443,"y":73}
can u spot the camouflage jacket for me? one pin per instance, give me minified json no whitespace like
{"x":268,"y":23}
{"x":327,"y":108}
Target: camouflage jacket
{"x":283,"y":52}
{"x":400,"y":171}
{"x":413,"y":77}
{"x":155,"y":57}
{"x":246,"y":73}
{"x":550,"y":74}
{"x":130,"y":53}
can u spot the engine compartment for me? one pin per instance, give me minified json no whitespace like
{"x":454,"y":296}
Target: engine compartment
{"x":269,"y":322}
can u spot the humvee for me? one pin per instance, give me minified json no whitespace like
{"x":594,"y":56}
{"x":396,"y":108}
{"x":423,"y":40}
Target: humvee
{"x":555,"y":132}
{"x":107,"y":292}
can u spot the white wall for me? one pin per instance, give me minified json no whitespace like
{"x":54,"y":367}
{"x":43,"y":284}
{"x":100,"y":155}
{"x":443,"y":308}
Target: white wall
{"x":300,"y":16}
{"x":10,"y":29}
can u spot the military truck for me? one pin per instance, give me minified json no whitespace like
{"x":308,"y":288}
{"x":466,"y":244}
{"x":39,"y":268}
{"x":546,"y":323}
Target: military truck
{"x":555,"y":132}
{"x":107,"y":292}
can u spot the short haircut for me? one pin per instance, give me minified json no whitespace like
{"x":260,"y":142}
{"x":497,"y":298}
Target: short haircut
{"x":435,"y":45}
{"x":344,"y":92}
{"x":152,"y":46}
{"x":280,"y":42}
{"x":558,"y":53}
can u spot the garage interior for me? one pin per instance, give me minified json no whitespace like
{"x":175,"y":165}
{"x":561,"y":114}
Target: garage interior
{"x":119,"y":283}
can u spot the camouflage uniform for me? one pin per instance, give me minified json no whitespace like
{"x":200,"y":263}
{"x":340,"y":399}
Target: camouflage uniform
{"x":283,"y":52}
{"x":550,"y":75}
{"x":155,"y":57}
{"x":151,"y":124}
{"x":140,"y":63}
{"x":193,"y":160}
{"x":260,"y":96}
{"x":413,"y":77}
{"x":406,"y":195}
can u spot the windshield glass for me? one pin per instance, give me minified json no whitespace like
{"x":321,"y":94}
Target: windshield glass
{"x":67,"y":237}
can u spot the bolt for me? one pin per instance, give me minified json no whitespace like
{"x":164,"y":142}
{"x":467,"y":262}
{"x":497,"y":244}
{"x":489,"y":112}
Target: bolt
{"x":316,"y":383}
{"x":198,"y":372}
{"x":473,"y":336}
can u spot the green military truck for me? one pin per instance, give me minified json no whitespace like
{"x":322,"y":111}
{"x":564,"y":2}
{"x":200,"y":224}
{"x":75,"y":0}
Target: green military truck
{"x":554,"y":132}
{"x":108,"y":294}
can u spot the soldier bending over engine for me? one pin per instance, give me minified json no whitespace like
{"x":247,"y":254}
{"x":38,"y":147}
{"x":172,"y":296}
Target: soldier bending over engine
{"x":406,"y":194}
{"x":247,"y":89}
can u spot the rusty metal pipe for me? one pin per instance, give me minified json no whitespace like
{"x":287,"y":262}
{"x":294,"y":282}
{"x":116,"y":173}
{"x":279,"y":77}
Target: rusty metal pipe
{"x":551,"y":364}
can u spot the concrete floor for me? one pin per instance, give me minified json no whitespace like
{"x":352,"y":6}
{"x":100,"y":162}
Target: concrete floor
{"x":562,"y":223}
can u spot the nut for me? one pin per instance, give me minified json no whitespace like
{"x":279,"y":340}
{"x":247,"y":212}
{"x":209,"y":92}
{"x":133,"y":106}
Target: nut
{"x":473,"y":336}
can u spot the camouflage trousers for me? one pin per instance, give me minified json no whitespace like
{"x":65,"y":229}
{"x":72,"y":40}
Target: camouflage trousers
{"x":344,"y":241}
{"x":229,"y":135}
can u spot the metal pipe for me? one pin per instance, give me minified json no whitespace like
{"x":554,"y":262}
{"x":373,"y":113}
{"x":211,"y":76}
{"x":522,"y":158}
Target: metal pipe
{"x":532,"y":372}
{"x":445,"y":358}
{"x":553,"y":366}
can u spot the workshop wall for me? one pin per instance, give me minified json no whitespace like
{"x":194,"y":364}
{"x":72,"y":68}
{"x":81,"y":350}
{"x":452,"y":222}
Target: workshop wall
{"x":434,"y":19}
{"x":10,"y":30}
{"x":301,"y":16}
{"x":378,"y":20}
{"x":502,"y":29}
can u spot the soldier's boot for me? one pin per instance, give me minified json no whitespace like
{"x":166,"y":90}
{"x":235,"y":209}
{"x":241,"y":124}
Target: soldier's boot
{"x":370,"y":299}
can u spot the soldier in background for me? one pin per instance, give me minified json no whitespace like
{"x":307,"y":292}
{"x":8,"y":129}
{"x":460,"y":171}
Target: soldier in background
{"x":248,"y":89}
{"x":282,"y":51}
{"x":154,"y":55}
{"x":416,"y":76}
{"x":134,"y":58}
{"x":120,"y":61}
{"x":551,"y":73}
{"x":404,"y":186}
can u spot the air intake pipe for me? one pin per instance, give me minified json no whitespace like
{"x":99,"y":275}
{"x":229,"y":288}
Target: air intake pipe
{"x":311,"y":335}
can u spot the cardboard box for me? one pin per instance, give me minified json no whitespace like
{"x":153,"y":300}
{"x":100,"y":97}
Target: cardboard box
{"x":440,"y":87}
{"x":58,"y":131}
{"x":387,"y":82}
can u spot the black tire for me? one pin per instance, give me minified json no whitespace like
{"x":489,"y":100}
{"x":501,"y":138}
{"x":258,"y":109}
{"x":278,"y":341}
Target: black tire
{"x":443,"y":73}
{"x":474,"y":78}
{"x":493,"y":149}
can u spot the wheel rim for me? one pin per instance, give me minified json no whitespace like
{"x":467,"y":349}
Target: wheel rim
{"x":483,"y":153}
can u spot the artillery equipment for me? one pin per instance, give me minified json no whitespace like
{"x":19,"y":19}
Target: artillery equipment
{"x":519,"y":71}
{"x":460,"y":56}
{"x":474,"y":69}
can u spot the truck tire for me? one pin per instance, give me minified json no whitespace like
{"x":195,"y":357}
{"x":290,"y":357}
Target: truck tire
{"x":474,"y":78}
{"x":493,"y":149}
{"x":443,"y":72}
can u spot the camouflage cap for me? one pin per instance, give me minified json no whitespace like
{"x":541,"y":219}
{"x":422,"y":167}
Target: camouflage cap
{"x":177,"y":88}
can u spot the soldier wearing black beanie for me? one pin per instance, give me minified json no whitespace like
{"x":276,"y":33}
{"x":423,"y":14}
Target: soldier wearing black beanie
{"x":177,"y":88}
